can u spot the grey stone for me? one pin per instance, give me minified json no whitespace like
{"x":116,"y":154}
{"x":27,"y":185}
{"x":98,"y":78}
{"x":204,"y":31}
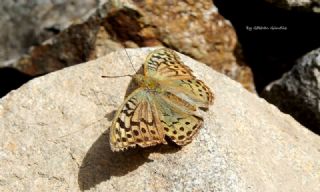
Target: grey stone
{"x":298,"y":91}
{"x":54,"y":137}
{"x":27,"y":23}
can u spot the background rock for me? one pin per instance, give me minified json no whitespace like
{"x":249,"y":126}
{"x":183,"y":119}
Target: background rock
{"x":298,"y":91}
{"x":195,"y":28}
{"x":54,"y":137}
{"x":271,"y":53}
{"x":305,"y":5}
{"x":27,"y":23}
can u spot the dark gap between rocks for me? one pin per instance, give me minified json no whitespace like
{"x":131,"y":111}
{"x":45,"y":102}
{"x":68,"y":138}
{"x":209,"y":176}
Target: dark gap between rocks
{"x":11,"y":79}
{"x":270,"y":53}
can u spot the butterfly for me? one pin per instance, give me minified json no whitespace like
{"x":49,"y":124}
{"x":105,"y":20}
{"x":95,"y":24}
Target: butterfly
{"x":162,"y":107}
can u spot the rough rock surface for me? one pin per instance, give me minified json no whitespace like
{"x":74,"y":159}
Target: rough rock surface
{"x":298,"y":91}
{"x":36,"y":21}
{"x":195,"y":28}
{"x":306,"y":5}
{"x":54,"y":137}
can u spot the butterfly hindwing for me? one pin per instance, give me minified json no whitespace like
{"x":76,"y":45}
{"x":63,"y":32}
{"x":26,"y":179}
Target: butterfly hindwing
{"x":179,"y":123}
{"x":136,"y":122}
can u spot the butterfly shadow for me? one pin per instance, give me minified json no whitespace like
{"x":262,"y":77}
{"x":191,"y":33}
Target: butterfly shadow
{"x":100,"y":163}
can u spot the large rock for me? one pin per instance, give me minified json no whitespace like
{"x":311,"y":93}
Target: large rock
{"x":192,"y":27}
{"x":298,"y":91}
{"x":54,"y":137}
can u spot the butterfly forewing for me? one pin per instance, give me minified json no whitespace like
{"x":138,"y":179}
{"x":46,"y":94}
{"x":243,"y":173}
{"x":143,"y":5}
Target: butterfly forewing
{"x":165,"y":64}
{"x":136,"y":122}
{"x":194,"y":89}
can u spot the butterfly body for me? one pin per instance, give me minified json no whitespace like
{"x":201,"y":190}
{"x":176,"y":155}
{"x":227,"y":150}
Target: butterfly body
{"x":147,"y":82}
{"x":163,"y":106}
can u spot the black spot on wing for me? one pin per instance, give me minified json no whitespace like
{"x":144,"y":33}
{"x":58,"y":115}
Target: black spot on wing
{"x":121,"y":123}
{"x":127,"y":112}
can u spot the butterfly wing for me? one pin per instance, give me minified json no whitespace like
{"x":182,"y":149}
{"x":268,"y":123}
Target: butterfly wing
{"x":136,"y":123}
{"x":166,"y":64}
{"x":178,"y":121}
{"x":193,"y":90}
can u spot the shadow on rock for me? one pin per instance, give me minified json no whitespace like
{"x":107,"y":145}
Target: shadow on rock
{"x":100,"y":163}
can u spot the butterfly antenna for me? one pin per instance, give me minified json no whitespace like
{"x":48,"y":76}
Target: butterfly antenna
{"x":130,"y":61}
{"x":115,"y":76}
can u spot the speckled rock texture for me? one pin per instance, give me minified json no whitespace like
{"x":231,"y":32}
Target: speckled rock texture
{"x":54,"y":137}
{"x":298,"y":91}
{"x":192,"y":27}
{"x":305,"y":5}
